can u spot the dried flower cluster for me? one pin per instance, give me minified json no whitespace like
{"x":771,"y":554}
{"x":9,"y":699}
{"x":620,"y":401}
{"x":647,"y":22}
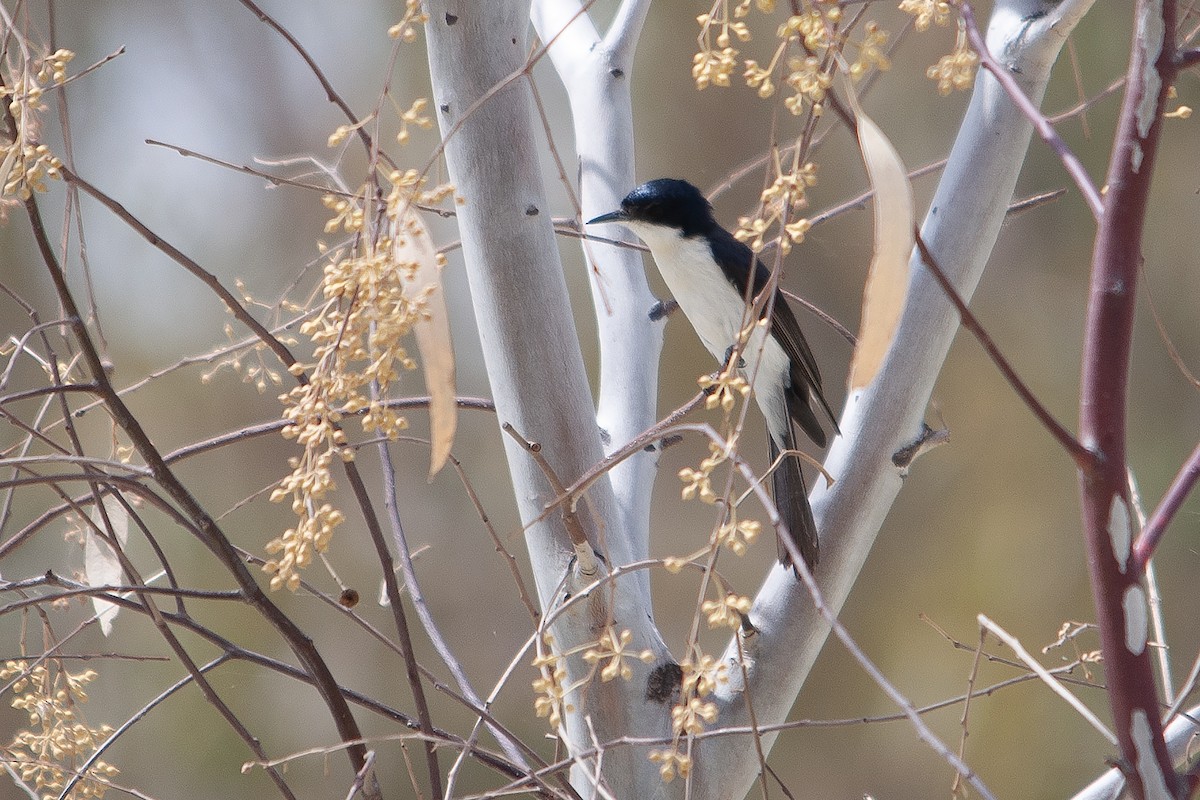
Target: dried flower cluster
{"x":724,"y":390}
{"x":359,"y":332}
{"x":550,"y":688}
{"x":926,"y":11}
{"x":727,"y":612}
{"x":414,"y":115}
{"x":406,"y":29}
{"x":779,"y":203}
{"x":611,"y":649}
{"x":957,"y":70}
{"x":58,"y":739}
{"x":810,"y":44}
{"x":24,"y":163}
{"x":701,"y":677}
{"x":813,"y":43}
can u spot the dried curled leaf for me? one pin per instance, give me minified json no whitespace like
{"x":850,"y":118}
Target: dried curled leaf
{"x":887,"y":281}
{"x":101,"y":567}
{"x":414,"y":246}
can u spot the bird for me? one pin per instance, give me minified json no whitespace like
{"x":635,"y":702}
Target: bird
{"x":708,"y":271}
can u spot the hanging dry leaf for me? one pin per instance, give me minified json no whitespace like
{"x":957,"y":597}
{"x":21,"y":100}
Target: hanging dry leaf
{"x":101,"y":567}
{"x":433,"y":336}
{"x":887,"y":281}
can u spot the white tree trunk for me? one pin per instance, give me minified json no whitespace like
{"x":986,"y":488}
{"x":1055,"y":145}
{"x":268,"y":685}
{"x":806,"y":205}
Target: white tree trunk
{"x":536,"y":370}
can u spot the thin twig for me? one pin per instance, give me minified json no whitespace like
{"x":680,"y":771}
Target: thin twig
{"x":330,"y":92}
{"x":358,"y":486}
{"x":574,"y":528}
{"x":391,"y":505}
{"x":1081,"y":455}
{"x":1156,"y":526}
{"x":1047,"y":678}
{"x":227,"y":297}
{"x":956,"y":788}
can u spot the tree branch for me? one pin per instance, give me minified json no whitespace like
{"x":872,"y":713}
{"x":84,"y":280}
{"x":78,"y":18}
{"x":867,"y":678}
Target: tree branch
{"x":1122,"y":609}
{"x":1168,"y":507}
{"x":1081,"y":455}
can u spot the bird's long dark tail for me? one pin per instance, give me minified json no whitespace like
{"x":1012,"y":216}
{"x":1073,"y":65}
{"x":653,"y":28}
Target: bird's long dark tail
{"x":792,"y":501}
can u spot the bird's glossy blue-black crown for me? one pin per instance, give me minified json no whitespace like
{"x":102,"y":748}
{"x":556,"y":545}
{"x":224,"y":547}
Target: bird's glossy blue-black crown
{"x":671,"y":203}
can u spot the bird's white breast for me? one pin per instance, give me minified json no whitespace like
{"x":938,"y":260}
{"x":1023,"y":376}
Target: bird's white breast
{"x":717,"y":311}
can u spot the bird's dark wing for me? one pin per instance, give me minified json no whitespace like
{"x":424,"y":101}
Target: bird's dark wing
{"x":791,"y":499}
{"x":806,"y":377}
{"x":738,"y":261}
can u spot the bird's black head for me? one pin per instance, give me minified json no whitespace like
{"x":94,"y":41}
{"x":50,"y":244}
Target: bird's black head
{"x":667,"y":202}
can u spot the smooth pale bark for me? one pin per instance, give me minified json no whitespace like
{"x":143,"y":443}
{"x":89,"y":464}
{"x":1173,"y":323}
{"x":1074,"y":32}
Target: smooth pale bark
{"x":1179,"y":735}
{"x":533,"y":359}
{"x":597,"y":73}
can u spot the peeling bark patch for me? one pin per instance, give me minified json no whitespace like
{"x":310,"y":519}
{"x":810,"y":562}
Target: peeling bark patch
{"x":1151,"y":34}
{"x":1137,"y":619}
{"x":1153,"y":783}
{"x":1120,"y":530}
{"x":664,"y":682}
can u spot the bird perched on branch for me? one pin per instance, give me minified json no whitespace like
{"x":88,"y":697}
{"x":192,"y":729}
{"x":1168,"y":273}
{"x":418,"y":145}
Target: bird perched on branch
{"x":712,"y":277}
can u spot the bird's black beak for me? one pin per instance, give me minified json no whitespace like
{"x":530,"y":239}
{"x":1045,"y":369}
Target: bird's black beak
{"x":612,"y":216}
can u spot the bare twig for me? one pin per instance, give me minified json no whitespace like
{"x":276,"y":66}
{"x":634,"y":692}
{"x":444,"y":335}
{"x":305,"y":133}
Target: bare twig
{"x":358,"y":486}
{"x":317,"y":72}
{"x":1156,"y":526}
{"x":1081,"y":455}
{"x":231,"y":302}
{"x":508,"y":742}
{"x":1046,"y":677}
{"x":956,"y":788}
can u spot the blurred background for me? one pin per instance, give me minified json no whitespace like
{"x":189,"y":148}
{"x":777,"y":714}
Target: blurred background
{"x":988,"y":523}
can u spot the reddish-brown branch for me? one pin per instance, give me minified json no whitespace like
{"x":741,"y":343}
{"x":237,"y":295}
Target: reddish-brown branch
{"x":1156,"y":526}
{"x":1121,"y":605}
